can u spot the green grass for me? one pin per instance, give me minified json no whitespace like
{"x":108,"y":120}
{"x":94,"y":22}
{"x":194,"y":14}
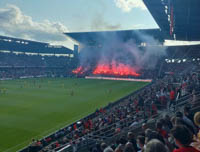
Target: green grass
{"x":27,"y":111}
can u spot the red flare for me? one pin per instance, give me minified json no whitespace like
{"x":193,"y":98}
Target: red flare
{"x":79,"y":70}
{"x":119,"y":69}
{"x":116,"y":69}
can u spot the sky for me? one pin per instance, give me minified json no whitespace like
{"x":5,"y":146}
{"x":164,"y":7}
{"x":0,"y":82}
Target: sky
{"x":46,"y":20}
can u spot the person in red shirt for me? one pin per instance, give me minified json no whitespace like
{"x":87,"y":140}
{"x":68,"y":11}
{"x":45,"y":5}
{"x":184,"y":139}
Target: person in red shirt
{"x":74,"y":126}
{"x":86,"y":125}
{"x":90,"y":123}
{"x":161,"y":131}
{"x":183,"y":138}
{"x":154,"y":109}
{"x":57,"y":144}
{"x":172,"y":97}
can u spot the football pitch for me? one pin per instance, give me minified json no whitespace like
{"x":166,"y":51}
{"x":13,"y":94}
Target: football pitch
{"x":34,"y":108}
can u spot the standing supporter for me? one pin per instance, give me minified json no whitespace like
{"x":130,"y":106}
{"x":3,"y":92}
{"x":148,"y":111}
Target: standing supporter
{"x":106,"y":148}
{"x":168,"y":124}
{"x":131,"y":139}
{"x":75,"y":126}
{"x":183,"y":87}
{"x":150,"y":134}
{"x":141,"y":143}
{"x":172,"y":98}
{"x":155,"y":146}
{"x":178,"y":90}
{"x":160,"y":130}
{"x":188,"y":114}
{"x":183,"y":139}
{"x":187,"y":122}
{"x":129,"y":147}
{"x":154,"y":109}
{"x":197,"y":119}
{"x":197,"y":123}
{"x":194,"y":97}
{"x":144,"y":126}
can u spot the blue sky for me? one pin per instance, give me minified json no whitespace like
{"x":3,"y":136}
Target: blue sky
{"x":71,"y":16}
{"x":78,"y":15}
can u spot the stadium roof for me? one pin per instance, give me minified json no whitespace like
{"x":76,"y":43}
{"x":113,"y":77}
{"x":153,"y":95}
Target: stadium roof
{"x":187,"y":51}
{"x":21,"y":45}
{"x":178,"y":19}
{"x":92,"y":38}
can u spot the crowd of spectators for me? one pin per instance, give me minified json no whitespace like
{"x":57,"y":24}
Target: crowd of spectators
{"x":15,"y":60}
{"x":166,"y":135}
{"x":162,"y":95}
{"x":14,"y":73}
{"x":21,"y":65}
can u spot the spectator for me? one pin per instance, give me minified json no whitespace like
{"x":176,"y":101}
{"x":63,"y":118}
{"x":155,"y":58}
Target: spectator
{"x":106,"y":148}
{"x":160,"y":130}
{"x":119,"y":148}
{"x":144,"y":126}
{"x":187,"y":122}
{"x":167,"y":123}
{"x":103,"y":146}
{"x":183,"y":139}
{"x":141,"y":143}
{"x":131,"y":139}
{"x":129,"y":147}
{"x":197,"y":119}
{"x":172,"y":98}
{"x":150,"y":134}
{"x":155,"y":146}
{"x":188,"y":114}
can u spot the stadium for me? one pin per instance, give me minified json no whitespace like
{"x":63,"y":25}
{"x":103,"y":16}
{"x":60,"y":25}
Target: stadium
{"x":115,"y":91}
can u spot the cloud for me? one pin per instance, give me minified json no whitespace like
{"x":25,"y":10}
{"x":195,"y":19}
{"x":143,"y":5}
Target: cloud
{"x":128,"y":5}
{"x":14,"y":23}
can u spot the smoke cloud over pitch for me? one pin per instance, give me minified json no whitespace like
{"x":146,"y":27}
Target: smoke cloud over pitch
{"x":112,"y":51}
